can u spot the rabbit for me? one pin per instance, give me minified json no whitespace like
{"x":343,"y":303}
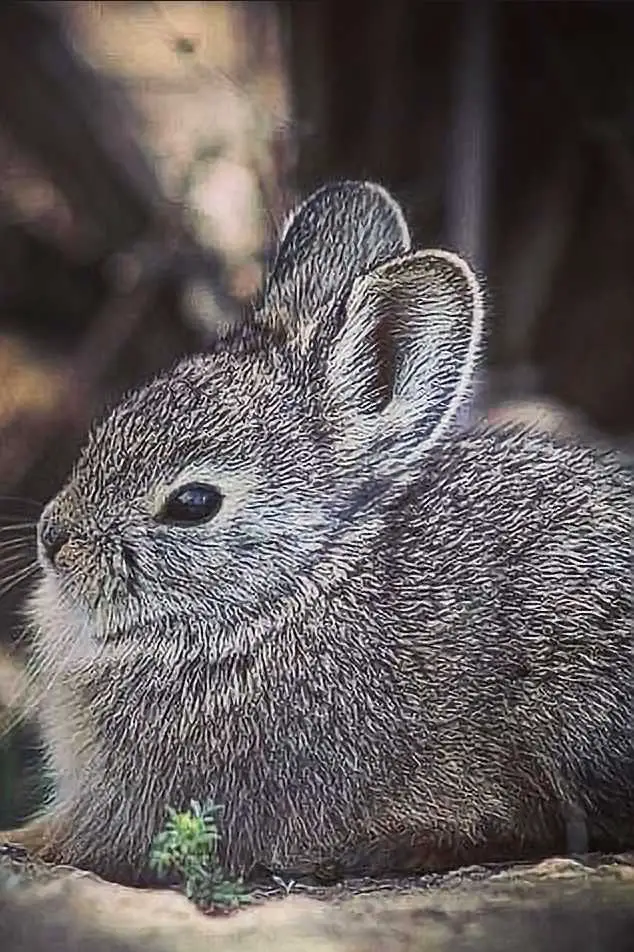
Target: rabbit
{"x":283,"y":577}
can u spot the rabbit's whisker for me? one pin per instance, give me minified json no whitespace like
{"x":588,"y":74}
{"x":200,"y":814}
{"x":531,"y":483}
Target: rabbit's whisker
{"x":26,"y":527}
{"x":26,"y":500}
{"x":20,"y":576}
{"x":10,"y":545}
{"x":11,"y":558}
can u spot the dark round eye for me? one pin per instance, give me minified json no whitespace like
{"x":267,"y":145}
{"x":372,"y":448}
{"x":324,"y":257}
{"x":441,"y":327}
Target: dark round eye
{"x":191,"y":504}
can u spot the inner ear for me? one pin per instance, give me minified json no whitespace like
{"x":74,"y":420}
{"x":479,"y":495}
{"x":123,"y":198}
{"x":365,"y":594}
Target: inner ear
{"x":342,"y":231}
{"x":408,"y":346}
{"x":384,"y":345}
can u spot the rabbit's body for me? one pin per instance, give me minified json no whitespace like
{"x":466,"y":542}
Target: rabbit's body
{"x":391,"y":647}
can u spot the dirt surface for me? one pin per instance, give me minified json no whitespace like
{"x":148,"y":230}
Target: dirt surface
{"x":559,"y":904}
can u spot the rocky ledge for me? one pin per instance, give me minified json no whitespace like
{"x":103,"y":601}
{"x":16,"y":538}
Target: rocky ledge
{"x":560,"y":905}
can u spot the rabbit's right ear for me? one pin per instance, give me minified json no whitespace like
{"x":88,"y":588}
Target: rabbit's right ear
{"x":404,"y":359}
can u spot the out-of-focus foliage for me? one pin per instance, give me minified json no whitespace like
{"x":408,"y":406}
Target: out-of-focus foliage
{"x":140,"y":182}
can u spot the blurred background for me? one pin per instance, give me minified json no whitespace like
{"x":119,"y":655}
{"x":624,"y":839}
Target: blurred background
{"x":150,"y":151}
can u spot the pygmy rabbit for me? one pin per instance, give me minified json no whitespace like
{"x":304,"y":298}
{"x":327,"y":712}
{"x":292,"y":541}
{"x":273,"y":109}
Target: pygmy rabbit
{"x":282,"y":578}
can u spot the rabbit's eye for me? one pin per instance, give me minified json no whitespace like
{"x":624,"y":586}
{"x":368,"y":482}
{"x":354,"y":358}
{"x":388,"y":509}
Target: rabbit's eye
{"x":191,"y":504}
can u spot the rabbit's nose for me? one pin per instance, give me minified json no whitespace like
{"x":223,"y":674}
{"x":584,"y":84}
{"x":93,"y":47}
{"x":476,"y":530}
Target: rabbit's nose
{"x":53,"y":536}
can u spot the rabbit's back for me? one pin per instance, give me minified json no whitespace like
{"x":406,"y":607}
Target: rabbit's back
{"x":515,"y":592}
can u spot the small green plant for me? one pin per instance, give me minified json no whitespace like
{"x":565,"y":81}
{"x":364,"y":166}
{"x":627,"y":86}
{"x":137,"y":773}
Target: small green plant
{"x":188,"y":846}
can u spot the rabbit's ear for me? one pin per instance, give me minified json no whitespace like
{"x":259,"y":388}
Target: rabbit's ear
{"x":405,"y":356}
{"x":340,"y":232}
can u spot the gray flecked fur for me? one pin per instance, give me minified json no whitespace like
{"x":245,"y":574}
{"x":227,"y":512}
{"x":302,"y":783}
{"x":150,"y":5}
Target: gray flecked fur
{"x":397,"y":645}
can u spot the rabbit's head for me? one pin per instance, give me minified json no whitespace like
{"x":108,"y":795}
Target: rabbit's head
{"x":231,"y":482}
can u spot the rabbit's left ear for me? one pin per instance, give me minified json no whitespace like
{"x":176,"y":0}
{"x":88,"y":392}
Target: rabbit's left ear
{"x":340,"y":232}
{"x":405,"y":356}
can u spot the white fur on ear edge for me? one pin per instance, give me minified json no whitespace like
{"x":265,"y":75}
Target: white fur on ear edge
{"x":370,"y":186}
{"x":473,"y":348}
{"x":440,"y":326}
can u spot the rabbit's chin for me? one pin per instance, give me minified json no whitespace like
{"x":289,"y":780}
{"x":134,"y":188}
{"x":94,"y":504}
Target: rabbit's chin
{"x":64,"y":631}
{"x":69,"y":635}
